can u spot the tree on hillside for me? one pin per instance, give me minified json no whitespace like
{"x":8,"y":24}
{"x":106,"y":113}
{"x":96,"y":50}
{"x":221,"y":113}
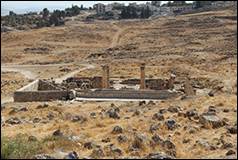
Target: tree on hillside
{"x":169,"y":4}
{"x":45,"y":13}
{"x":56,"y":18}
{"x":73,"y":11}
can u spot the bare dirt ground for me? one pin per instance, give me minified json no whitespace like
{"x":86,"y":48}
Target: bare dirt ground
{"x":201,"y":46}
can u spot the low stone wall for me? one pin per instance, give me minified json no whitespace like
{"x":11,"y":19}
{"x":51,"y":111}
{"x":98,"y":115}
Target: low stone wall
{"x":30,"y":96}
{"x":33,"y":86}
{"x":127,"y":94}
{"x":40,"y":90}
{"x":44,"y":85}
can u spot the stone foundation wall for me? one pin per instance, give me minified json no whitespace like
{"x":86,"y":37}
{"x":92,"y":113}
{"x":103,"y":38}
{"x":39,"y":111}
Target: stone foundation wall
{"x":155,"y":84}
{"x":30,"y":96}
{"x":44,"y":85}
{"x":127,"y":94}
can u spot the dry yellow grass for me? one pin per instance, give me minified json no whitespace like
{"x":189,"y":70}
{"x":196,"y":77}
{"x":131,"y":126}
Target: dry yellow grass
{"x":202,"y":46}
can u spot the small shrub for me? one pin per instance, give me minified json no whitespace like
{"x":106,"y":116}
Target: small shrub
{"x":19,"y":147}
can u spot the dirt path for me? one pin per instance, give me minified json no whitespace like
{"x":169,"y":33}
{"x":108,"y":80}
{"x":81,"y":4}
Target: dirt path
{"x":87,"y":66}
{"x":116,"y":37}
{"x":28,"y":74}
{"x":26,"y":70}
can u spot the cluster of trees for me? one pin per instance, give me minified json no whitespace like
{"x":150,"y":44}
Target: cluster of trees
{"x":130,"y":12}
{"x":46,"y":19}
{"x":56,"y":18}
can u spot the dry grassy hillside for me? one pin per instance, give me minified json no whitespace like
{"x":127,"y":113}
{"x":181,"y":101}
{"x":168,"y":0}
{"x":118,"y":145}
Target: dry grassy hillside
{"x":200,"y":46}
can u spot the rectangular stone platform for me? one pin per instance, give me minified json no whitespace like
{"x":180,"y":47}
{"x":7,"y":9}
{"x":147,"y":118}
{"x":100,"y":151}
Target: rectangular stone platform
{"x":127,"y":94}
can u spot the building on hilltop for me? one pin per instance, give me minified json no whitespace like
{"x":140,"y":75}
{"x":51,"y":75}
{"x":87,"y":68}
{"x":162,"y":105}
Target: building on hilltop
{"x":100,"y":8}
{"x":114,"y":6}
{"x":223,"y":3}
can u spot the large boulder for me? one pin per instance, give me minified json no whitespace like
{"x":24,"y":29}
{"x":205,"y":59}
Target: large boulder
{"x":210,"y":120}
{"x":158,"y":116}
{"x":171,"y":124}
{"x":117,"y":130}
{"x":13,"y":121}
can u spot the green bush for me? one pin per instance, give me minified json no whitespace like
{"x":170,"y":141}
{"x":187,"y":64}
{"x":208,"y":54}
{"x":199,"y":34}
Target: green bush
{"x":19,"y":147}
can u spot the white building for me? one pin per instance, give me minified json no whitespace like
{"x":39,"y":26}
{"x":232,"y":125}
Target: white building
{"x":223,"y":3}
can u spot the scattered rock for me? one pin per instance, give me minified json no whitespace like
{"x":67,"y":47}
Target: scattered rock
{"x":65,"y":70}
{"x":50,"y":116}
{"x":115,"y":151}
{"x":191,"y":129}
{"x":78,"y":118}
{"x":142,"y":103}
{"x":13,"y":121}
{"x":171,"y":124}
{"x":97,"y":153}
{"x":138,"y":142}
{"x":232,"y":129}
{"x":225,"y":120}
{"x":74,"y":138}
{"x":210,"y":120}
{"x":186,"y":140}
{"x":22,"y":109}
{"x":89,"y":145}
{"x":113,"y":105}
{"x":18,"y":109}
{"x":156,"y":139}
{"x":117,"y":130}
{"x":3,"y":107}
{"x":203,"y":143}
{"x":57,"y":133}
{"x":43,"y":156}
{"x":168,"y":144}
{"x":154,"y":127}
{"x":227,"y":145}
{"x":226,"y":110}
{"x":113,"y":113}
{"x":158,"y":116}
{"x":122,"y":139}
{"x":211,"y":109}
{"x":93,"y":115}
{"x":32,"y":138}
{"x":2,"y":120}
{"x":72,"y":155}
{"x":151,"y":103}
{"x":230,"y":152}
{"x":162,"y":111}
{"x":158,"y":156}
{"x":191,"y":113}
{"x":174,"y":109}
{"x":45,"y":105}
{"x":181,"y":114}
{"x":36,"y":120}
{"x":106,"y":140}
{"x":136,"y":113}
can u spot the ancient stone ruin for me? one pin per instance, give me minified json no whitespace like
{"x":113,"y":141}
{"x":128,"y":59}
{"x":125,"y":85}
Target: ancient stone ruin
{"x":102,"y":87}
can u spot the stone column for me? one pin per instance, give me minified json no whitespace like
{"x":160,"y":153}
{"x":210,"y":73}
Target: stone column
{"x":142,"y":76}
{"x":105,"y":77}
{"x":188,"y":89}
{"x":171,"y":81}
